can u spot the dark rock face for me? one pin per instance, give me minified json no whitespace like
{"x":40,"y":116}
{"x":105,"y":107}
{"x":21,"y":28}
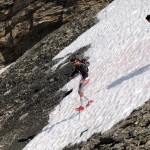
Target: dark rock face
{"x":25,"y":22}
{"x":28,"y":90}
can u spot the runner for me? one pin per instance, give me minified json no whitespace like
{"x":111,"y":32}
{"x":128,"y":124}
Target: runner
{"x":81,"y":68}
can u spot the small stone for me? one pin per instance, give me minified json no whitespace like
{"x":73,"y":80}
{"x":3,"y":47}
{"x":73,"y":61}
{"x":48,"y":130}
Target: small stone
{"x":117,"y":147}
{"x":133,"y":134}
{"x":51,"y":80}
{"x":106,"y":139}
{"x":7,"y":92}
{"x":23,"y":116}
{"x":148,"y":143}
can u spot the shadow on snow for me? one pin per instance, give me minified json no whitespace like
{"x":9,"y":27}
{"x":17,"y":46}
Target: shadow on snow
{"x":69,"y":118}
{"x":129,"y":76}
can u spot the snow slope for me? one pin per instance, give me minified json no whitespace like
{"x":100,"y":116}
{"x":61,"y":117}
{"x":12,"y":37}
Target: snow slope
{"x":119,"y":71}
{"x":4,"y":69}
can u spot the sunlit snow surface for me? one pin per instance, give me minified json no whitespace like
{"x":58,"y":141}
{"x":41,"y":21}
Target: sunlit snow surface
{"x":4,"y":69}
{"x":119,"y":71}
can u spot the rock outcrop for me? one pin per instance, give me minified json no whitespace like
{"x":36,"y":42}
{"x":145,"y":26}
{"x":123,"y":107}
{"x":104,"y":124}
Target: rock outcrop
{"x":25,"y":22}
{"x":28,"y":90}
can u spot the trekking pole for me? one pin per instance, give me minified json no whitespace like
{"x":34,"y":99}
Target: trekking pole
{"x":79,"y":112}
{"x":79,"y":115}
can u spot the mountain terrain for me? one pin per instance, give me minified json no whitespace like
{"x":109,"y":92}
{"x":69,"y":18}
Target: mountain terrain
{"x":33,"y":32}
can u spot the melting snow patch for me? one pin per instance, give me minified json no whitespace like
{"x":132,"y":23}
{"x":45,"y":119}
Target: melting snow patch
{"x":119,"y":70}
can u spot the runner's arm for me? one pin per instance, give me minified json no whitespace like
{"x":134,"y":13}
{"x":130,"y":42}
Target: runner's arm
{"x":84,"y":71}
{"x":75,"y":72}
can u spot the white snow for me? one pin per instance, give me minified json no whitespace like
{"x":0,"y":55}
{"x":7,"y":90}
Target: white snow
{"x":119,"y":71}
{"x":4,"y":69}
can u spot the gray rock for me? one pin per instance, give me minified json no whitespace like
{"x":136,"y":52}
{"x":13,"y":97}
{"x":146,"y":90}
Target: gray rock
{"x":23,"y":116}
{"x":148,"y":143}
{"x":133,"y":134}
{"x":27,"y":22}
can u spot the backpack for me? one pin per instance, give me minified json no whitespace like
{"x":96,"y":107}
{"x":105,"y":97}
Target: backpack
{"x":86,"y":63}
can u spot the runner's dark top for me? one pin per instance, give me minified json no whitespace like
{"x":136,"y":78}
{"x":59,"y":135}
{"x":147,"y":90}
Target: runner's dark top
{"x":82,"y":68}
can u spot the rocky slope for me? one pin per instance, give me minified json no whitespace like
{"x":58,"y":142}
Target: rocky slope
{"x":28,"y":90}
{"x":25,"y":22}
